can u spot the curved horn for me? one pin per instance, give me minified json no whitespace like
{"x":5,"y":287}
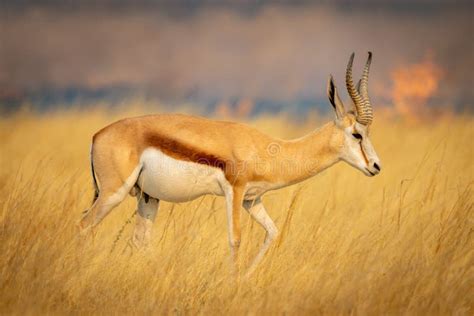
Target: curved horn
{"x":364,"y":116}
{"x":367,"y":108}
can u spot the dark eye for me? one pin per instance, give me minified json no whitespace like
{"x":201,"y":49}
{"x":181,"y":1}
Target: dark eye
{"x":357,"y":136}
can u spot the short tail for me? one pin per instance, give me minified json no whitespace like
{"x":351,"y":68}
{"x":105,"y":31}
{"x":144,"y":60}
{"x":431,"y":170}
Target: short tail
{"x":96,"y":187}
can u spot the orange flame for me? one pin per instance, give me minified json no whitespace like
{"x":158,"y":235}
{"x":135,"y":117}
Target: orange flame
{"x":413,"y":86}
{"x":223,"y":110}
{"x":245,"y":107}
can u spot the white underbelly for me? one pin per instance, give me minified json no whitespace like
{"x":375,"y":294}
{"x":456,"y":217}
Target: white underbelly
{"x":174,"y":180}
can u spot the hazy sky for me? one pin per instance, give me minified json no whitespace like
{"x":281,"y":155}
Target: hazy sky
{"x":187,"y":50}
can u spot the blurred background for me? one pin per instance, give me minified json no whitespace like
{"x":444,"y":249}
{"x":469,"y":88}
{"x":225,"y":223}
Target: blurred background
{"x":235,"y":58}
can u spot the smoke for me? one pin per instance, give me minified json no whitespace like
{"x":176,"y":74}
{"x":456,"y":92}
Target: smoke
{"x":278,"y":53}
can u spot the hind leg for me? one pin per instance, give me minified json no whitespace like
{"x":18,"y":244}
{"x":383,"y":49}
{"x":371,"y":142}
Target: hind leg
{"x":147,"y":210}
{"x":111,"y":194}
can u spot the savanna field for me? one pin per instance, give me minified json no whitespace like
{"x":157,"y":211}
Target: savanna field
{"x":397,"y":243}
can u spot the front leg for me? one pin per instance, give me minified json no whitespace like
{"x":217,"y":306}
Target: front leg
{"x":259,"y":214}
{"x":234,"y":196}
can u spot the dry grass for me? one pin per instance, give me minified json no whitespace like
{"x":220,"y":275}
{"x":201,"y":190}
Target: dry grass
{"x":401,"y":242}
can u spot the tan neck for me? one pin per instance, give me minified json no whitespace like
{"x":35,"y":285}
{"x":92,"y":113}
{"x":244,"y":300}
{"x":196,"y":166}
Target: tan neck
{"x":306,"y":156}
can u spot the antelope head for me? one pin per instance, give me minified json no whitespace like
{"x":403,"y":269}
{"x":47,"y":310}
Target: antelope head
{"x":352,"y":127}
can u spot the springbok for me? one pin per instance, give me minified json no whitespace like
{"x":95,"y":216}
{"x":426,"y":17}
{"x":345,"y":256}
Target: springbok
{"x":177,"y":158}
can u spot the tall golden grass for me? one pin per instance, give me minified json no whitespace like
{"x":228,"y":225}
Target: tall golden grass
{"x":401,"y":242}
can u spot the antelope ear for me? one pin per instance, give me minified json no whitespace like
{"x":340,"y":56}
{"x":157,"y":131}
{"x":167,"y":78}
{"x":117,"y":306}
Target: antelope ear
{"x":334,"y":99}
